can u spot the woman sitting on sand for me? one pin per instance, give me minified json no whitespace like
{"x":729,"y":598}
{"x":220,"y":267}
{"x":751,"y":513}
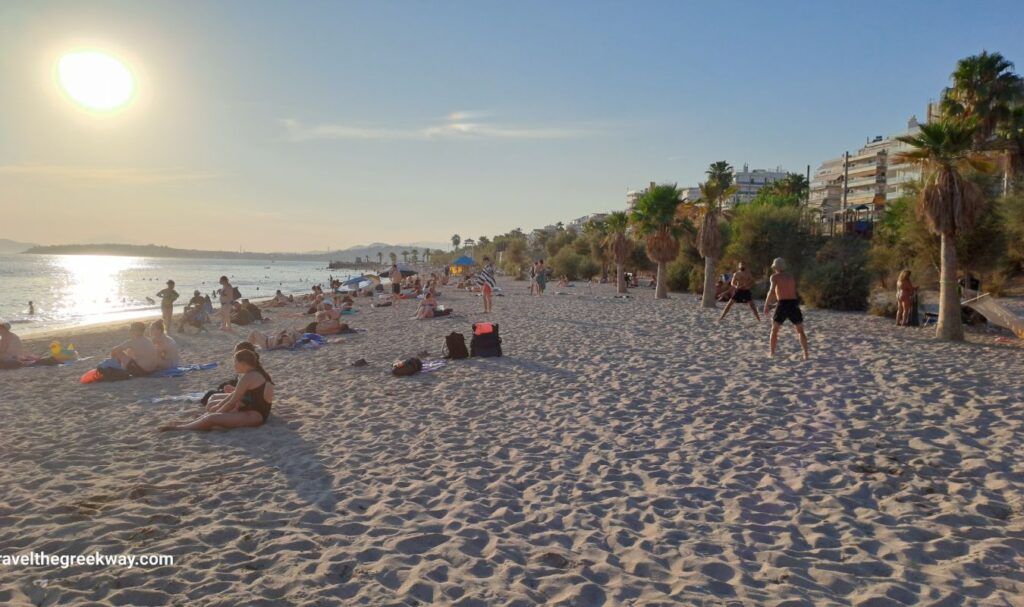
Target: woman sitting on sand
{"x":347,"y":303}
{"x":247,"y":406}
{"x":904,"y":298}
{"x":426,"y":308}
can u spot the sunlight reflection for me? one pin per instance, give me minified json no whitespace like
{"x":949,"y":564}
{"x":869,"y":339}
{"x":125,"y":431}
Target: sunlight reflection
{"x":90,"y":285}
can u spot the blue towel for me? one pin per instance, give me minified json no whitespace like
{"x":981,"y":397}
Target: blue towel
{"x":179,"y":371}
{"x":309,"y":341}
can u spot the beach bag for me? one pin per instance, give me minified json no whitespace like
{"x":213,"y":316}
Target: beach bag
{"x":485,"y":341}
{"x":404,"y":368}
{"x":455,"y":346}
{"x":111,"y":370}
{"x":237,"y":293}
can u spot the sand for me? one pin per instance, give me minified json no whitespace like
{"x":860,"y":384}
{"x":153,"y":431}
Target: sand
{"x":623,"y":452}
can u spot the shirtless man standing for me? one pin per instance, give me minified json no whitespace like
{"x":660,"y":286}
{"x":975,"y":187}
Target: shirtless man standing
{"x":137,"y":355}
{"x":741,"y":282}
{"x":782,"y":288}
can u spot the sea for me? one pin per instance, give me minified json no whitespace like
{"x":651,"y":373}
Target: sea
{"x":69,"y":291}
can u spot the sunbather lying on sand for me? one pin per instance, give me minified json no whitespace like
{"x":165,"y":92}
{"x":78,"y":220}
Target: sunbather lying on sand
{"x":283,"y":339}
{"x":246,"y":406}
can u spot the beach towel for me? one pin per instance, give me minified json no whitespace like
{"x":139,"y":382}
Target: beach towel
{"x":432,"y":365}
{"x":191,"y":397}
{"x":486,"y":277}
{"x":182,"y":370}
{"x":997,"y":314}
{"x":309,"y":341}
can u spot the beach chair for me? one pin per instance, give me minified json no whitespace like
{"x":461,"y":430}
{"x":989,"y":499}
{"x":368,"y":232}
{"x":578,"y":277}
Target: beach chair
{"x":996,"y":313}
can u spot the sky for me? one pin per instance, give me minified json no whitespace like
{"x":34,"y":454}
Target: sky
{"x":300,"y":126}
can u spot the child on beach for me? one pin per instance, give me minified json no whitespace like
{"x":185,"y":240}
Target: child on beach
{"x":167,"y":353}
{"x":246,"y":406}
{"x":487,"y":284}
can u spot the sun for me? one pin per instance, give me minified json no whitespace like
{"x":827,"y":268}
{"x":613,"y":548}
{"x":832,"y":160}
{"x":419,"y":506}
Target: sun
{"x":95,"y":80}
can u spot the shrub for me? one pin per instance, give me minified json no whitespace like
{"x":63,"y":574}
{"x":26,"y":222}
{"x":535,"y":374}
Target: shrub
{"x":679,"y":275}
{"x":588,"y":268}
{"x":761,"y":233}
{"x":697,"y":279}
{"x":839,"y":280}
{"x":567,"y":262}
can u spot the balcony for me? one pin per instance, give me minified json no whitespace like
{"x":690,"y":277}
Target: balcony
{"x":864,"y":169}
{"x":863,"y":181}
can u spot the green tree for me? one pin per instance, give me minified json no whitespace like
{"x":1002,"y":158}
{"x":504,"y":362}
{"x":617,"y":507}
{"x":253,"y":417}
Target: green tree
{"x":1010,"y":139}
{"x":619,"y":244}
{"x":380,"y":258}
{"x":514,"y":259}
{"x":758,"y":234}
{"x":654,"y":216}
{"x":415,"y":255}
{"x":983,"y":89}
{"x":709,"y":236}
{"x":394,"y":258}
{"x":405,"y":256}
{"x":456,"y":239}
{"x":948,"y":202}
{"x":721,"y":173}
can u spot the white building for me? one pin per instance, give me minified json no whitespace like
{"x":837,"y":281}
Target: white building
{"x":749,"y":182}
{"x":826,"y":187}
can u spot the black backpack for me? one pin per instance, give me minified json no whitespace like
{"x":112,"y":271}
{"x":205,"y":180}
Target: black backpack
{"x":409,"y":366}
{"x":455,"y":346}
{"x":488,"y":344}
{"x":237,"y":294}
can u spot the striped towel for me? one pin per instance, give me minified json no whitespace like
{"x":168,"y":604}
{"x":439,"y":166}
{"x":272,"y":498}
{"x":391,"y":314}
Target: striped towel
{"x":486,"y":276}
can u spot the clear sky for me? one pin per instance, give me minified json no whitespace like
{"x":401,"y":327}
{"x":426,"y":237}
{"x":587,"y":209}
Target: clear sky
{"x":295,"y":126}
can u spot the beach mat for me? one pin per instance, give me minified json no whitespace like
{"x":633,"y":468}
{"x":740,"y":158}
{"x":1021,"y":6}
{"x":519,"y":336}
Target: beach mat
{"x":177,"y":372}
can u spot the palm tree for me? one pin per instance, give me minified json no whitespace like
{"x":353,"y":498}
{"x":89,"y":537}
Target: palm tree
{"x":456,"y":239}
{"x":426,"y":255}
{"x":415,"y":254}
{"x":709,"y":236}
{"x":948,"y":202}
{"x":380,"y":258}
{"x":1011,"y":141}
{"x":984,"y":87}
{"x":654,"y":215}
{"x":720,"y":172}
{"x":793,"y":184}
{"x":405,"y":256}
{"x":616,"y":238}
{"x":394,"y":258}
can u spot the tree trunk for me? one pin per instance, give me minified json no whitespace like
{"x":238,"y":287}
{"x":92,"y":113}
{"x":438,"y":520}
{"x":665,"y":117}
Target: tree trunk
{"x":620,"y":277}
{"x":950,"y":328}
{"x":661,"y":292}
{"x":708,"y":300}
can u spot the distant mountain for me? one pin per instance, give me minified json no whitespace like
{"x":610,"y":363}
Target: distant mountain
{"x":160,"y":251}
{"x":363,"y":253}
{"x":13,"y":246}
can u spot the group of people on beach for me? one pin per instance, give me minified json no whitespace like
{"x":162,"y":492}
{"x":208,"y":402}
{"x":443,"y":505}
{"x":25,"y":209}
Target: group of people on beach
{"x":781,"y":291}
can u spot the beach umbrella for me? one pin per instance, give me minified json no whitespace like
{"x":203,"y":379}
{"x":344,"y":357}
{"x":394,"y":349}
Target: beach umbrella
{"x":405,"y":269}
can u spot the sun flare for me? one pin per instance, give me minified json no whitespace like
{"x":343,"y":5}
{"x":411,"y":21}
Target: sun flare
{"x":95,"y":80}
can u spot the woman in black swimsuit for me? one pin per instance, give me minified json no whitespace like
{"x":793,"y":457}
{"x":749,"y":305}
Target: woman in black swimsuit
{"x":247,"y":406}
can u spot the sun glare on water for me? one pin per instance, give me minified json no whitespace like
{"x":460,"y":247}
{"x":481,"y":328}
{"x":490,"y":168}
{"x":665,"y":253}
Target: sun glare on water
{"x":95,"y":80}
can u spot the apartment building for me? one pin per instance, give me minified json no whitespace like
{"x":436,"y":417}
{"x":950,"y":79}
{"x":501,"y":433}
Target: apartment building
{"x":749,"y":182}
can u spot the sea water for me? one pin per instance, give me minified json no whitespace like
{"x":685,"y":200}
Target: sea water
{"x":74,"y":290}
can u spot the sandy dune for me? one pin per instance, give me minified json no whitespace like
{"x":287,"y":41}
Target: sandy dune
{"x":623,"y":452}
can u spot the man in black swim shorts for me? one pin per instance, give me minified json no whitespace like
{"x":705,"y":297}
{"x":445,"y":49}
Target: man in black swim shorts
{"x":741,"y":282}
{"x":782,"y":288}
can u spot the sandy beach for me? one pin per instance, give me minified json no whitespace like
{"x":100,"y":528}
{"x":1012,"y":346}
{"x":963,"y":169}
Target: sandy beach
{"x":622,"y":452}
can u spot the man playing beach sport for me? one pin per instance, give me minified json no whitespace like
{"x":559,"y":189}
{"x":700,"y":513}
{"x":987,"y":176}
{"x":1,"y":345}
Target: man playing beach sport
{"x":741,"y":282}
{"x":487,"y":285}
{"x":137,"y":355}
{"x":167,"y":354}
{"x":395,"y":275}
{"x":782,"y":288}
{"x":167,"y":297}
